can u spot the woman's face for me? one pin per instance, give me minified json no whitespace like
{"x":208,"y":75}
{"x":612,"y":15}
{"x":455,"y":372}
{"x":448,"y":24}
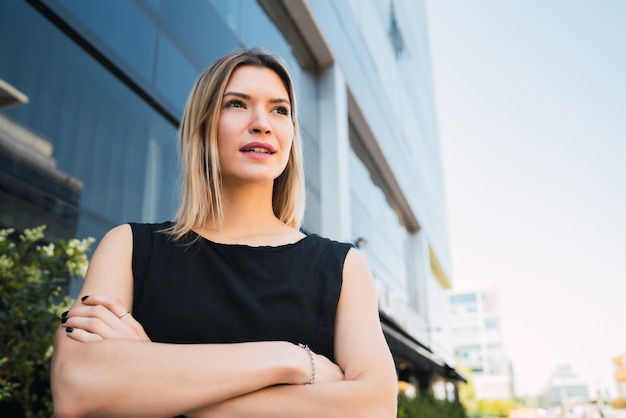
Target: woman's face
{"x":255,"y":129}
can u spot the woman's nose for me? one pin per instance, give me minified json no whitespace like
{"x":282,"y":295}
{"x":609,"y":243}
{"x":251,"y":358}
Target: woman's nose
{"x":259,"y":122}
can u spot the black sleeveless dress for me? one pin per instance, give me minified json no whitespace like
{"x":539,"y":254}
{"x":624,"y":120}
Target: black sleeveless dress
{"x":198,"y":291}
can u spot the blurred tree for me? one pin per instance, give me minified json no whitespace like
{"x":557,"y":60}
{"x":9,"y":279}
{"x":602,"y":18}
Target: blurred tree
{"x":426,"y":406}
{"x":33,"y":278}
{"x":467,"y":391}
{"x":496,"y":408}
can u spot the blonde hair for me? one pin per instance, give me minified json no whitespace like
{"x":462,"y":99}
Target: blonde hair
{"x":201,"y":201}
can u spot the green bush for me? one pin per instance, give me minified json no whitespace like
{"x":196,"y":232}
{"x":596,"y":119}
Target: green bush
{"x":426,"y":406}
{"x":496,"y":408}
{"x":33,"y":276}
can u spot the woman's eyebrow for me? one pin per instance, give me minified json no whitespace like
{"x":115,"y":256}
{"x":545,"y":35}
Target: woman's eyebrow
{"x":247,"y":97}
{"x":234,"y":93}
{"x":280,"y":100}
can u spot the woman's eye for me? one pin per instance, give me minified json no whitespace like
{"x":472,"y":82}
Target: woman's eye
{"x":235,"y":103}
{"x":283,"y":110}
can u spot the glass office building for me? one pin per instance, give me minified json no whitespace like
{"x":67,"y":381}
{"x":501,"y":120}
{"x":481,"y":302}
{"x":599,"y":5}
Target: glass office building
{"x":91,"y":93}
{"x":478,"y":341}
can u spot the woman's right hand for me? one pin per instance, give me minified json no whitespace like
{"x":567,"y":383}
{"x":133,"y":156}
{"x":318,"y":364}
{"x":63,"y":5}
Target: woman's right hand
{"x":101,"y":317}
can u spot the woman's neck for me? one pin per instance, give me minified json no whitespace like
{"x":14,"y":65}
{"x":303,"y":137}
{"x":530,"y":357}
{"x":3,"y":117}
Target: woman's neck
{"x":248,"y":217}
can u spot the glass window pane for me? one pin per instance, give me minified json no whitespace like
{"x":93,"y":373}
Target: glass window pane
{"x":174,"y":75}
{"x":100,"y":130}
{"x":197,"y":31}
{"x":466,"y":298}
{"x":123,"y":30}
{"x":257,"y":29}
{"x":230,"y":11}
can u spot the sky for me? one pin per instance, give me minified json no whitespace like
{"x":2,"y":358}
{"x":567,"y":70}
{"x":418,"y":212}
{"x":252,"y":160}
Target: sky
{"x":531,"y":103}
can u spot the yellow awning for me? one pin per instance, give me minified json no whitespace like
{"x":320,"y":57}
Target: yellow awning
{"x":435,"y":267}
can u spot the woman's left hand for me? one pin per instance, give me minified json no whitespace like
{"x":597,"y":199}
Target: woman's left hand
{"x":102,"y":317}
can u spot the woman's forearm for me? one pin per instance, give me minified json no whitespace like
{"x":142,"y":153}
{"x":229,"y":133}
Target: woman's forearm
{"x":359,"y":398}
{"x":124,"y":378}
{"x":369,"y":387}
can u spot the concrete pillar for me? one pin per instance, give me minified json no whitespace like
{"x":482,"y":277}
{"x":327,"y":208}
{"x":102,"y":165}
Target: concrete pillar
{"x":334,"y":142}
{"x":418,"y":265}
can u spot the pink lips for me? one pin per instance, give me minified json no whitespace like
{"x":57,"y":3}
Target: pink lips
{"x":258,"y":150}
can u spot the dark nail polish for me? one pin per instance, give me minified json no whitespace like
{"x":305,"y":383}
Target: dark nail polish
{"x":64,"y":320}
{"x":69,"y":329}
{"x":64,"y":314}
{"x":84,"y":298}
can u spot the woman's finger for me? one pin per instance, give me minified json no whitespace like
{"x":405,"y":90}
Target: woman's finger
{"x":99,"y":319}
{"x":100,"y":312}
{"x":115,"y":306}
{"x":81,"y":335}
{"x":92,"y":325}
{"x":111,"y":303}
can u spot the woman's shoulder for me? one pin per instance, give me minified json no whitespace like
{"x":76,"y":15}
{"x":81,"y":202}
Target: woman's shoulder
{"x":329,"y":245}
{"x":323,"y":240}
{"x":156,"y":227}
{"x":143,"y":229}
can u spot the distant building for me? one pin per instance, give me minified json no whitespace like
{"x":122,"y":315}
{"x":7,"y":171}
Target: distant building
{"x":478,"y":343}
{"x":566,"y":388}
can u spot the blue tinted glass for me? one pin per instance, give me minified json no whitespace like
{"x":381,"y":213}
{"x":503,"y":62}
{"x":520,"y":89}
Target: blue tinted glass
{"x":124,"y":29}
{"x":492,"y":323}
{"x":463,"y":298}
{"x":230,"y":12}
{"x":174,"y":75}
{"x":258,"y":30}
{"x":153,"y":3}
{"x":385,"y":250}
{"x":102,"y":133}
{"x":197,"y":31}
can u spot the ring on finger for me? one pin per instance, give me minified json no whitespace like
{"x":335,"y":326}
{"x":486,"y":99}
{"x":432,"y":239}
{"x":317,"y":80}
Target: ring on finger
{"x":121,"y":315}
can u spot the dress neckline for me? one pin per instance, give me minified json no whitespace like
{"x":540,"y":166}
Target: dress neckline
{"x":196,"y":236}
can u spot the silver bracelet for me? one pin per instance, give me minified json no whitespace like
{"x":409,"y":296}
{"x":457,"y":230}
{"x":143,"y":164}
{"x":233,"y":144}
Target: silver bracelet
{"x":312,"y":357}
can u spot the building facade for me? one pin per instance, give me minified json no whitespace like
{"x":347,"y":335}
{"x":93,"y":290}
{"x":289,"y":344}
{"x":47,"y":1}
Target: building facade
{"x":566,"y":388}
{"x":95,"y":90}
{"x":478,"y":342}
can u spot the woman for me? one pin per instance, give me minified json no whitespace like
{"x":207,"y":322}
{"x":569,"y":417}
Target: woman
{"x":230,"y":311}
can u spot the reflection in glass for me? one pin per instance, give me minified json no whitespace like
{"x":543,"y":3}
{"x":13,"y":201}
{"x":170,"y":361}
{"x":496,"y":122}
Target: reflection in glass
{"x":174,"y":74}
{"x":124,"y":31}
{"x":230,"y":12}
